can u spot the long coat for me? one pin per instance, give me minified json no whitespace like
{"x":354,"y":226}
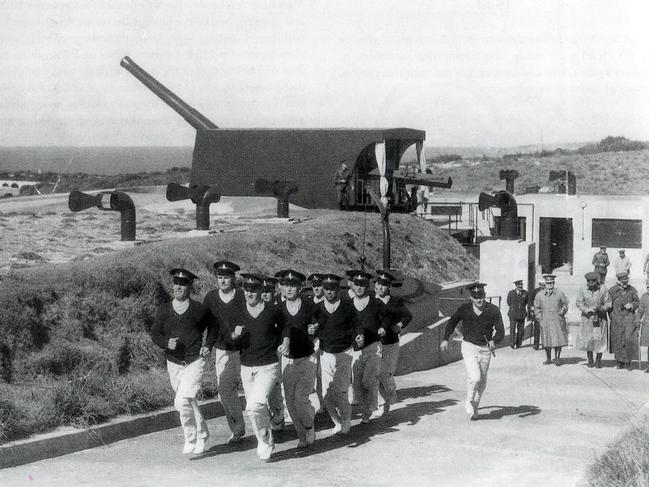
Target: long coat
{"x":624,"y":340}
{"x":517,"y":304}
{"x":594,"y":305}
{"x":550,"y":308}
{"x":642,"y":318}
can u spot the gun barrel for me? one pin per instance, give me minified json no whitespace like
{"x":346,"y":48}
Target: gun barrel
{"x":192,"y":116}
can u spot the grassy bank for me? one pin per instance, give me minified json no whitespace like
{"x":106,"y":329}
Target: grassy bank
{"x":600,"y":173}
{"x":74,"y":342}
{"x":625,"y":463}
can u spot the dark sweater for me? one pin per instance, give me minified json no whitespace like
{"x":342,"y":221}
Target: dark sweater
{"x":475,"y":328}
{"x":296,"y":328}
{"x":396,"y":312}
{"x":335,"y":330}
{"x":369,"y":320}
{"x":188,"y":327}
{"x":226,"y":314}
{"x":261,"y":336}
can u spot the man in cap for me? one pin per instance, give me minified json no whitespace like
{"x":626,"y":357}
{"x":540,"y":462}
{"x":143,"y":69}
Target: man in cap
{"x":536,"y":329}
{"x":642,"y":322}
{"x":517,"y":302}
{"x":624,"y":327}
{"x":226,"y":303}
{"x":550,"y":308}
{"x":399,"y":316}
{"x":179,"y":329}
{"x":268,"y":289}
{"x":482,"y":327}
{"x":336,"y":323}
{"x":318,"y":296}
{"x":341,"y":181}
{"x":622,"y":263}
{"x":299,"y":363}
{"x":371,"y":323}
{"x":601,"y":263}
{"x":594,"y":302}
{"x":259,"y":335}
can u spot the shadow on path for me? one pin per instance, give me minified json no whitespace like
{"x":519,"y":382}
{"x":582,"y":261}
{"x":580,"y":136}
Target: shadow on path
{"x":410,"y":414}
{"x":497,"y":412}
{"x":360,"y":434}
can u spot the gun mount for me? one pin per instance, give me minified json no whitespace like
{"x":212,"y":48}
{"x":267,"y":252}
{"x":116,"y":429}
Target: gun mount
{"x":507,"y":224}
{"x":282,"y":190}
{"x":235,"y":159}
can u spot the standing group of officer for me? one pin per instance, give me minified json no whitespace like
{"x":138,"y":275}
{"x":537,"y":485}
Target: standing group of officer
{"x":270,"y":337}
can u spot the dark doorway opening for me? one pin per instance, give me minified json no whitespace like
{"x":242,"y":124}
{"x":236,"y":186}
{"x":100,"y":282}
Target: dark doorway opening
{"x":555,"y":243}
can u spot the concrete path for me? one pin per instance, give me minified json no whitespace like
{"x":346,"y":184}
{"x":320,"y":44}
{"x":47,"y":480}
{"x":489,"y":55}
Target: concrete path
{"x":542,"y":425}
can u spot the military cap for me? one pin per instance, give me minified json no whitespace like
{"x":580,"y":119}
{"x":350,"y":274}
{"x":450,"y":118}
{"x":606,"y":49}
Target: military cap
{"x":330,"y":281}
{"x":267,"y":283}
{"x":316,"y":279}
{"x":549,"y":277}
{"x":541,"y":281}
{"x":251,"y":282}
{"x":621,"y":251}
{"x":291,"y":276}
{"x":359,"y":277}
{"x":622,"y":275}
{"x":279,"y":274}
{"x":225,"y":268}
{"x":592,"y":276}
{"x":182,"y":276}
{"x":476,"y":289}
{"x":520,"y":281}
{"x":602,"y":247}
{"x":384,"y":277}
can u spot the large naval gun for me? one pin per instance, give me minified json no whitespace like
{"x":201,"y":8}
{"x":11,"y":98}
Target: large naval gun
{"x":295,"y":163}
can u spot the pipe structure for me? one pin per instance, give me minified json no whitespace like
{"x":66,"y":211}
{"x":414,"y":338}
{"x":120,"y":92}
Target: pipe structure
{"x":508,"y":212}
{"x":192,"y":116}
{"x":282,"y":190}
{"x":202,"y":196}
{"x":108,"y":201}
{"x":509,"y":175}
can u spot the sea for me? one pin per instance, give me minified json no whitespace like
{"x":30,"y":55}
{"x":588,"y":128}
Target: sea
{"x":94,"y":160}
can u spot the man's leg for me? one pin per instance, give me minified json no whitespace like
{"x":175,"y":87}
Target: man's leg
{"x":258,"y":383}
{"x":370,"y":379}
{"x":387,"y":385}
{"x":276,"y":401}
{"x":228,"y":376}
{"x":301,"y":410}
{"x":537,"y":333}
{"x":341,"y":381}
{"x":327,"y":372}
{"x":520,"y":332}
{"x":484,"y":359}
{"x":470,"y":355}
{"x":512,"y":332}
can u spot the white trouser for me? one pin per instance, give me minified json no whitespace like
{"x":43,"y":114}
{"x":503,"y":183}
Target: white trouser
{"x":298,"y":376}
{"x":387,"y":385}
{"x":276,"y":398}
{"x":336,"y":370}
{"x":476,"y":361}
{"x":186,"y":381}
{"x":365,"y":377}
{"x":228,"y":376}
{"x":258,"y":382}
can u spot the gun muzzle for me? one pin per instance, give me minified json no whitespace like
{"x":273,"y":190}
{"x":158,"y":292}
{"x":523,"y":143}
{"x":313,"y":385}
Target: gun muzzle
{"x":78,"y":201}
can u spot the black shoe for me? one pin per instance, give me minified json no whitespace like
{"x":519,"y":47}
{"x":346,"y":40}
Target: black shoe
{"x":557,"y":362}
{"x":629,"y":366}
{"x":646,"y":371}
{"x":598,"y":364}
{"x":536,"y":347}
{"x":591,"y":364}
{"x":619,"y":365}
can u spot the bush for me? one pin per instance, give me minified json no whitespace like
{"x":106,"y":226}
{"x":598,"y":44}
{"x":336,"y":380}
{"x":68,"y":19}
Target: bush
{"x":62,"y":358}
{"x":10,"y":417}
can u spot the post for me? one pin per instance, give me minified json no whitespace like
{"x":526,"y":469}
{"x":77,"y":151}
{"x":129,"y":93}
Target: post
{"x":385,"y":220}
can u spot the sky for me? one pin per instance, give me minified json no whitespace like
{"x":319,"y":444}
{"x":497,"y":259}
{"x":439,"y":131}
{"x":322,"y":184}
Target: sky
{"x":469,"y":73}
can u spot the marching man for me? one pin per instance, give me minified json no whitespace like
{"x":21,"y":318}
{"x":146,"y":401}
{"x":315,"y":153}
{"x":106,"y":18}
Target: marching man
{"x":482,"y":327}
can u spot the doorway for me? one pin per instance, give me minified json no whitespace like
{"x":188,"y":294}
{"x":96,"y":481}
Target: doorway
{"x":555,"y":243}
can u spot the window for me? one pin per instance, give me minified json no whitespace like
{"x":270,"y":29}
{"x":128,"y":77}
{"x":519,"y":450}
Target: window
{"x":609,"y":232}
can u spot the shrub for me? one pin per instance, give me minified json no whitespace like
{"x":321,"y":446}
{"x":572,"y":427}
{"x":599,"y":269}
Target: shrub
{"x":10,"y":417}
{"x":61,"y":358}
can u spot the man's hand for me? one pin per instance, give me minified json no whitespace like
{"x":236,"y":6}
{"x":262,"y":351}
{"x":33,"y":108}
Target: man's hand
{"x":238,"y":331}
{"x":443,"y":346}
{"x":628,"y":306}
{"x":396,"y":329}
{"x":204,"y":352}
{"x":172,"y":343}
{"x":311,"y":329}
{"x":360,"y":341}
{"x":491,"y":344}
{"x":284,"y":347}
{"x":381,"y":332}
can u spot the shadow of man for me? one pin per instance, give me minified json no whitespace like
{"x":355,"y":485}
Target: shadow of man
{"x":497,"y":412}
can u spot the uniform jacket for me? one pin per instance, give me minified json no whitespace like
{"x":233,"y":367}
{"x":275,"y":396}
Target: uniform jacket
{"x":517,"y":304}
